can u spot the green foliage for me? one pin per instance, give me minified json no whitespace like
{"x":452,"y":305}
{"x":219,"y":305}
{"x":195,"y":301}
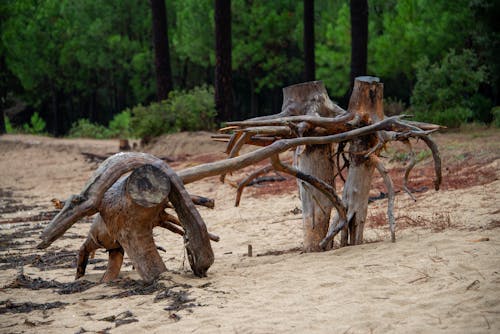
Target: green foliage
{"x":8,"y":125}
{"x":36,"y":125}
{"x":119,"y":126}
{"x":444,"y":90}
{"x":152,"y":120}
{"x":265,"y":42}
{"x":194,"y":109}
{"x":83,"y":128}
{"x":412,"y":29}
{"x":333,"y":55}
{"x":93,"y":59}
{"x":183,"y":111}
{"x":496,"y":116}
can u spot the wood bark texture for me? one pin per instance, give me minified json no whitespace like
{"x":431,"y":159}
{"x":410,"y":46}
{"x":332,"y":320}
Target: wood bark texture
{"x":141,"y":197}
{"x":311,"y":99}
{"x":366,"y":104}
{"x":309,"y":119}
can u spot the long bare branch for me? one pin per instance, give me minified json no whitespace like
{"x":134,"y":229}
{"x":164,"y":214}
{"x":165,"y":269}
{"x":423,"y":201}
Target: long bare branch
{"x":215,"y":168}
{"x":321,"y":185}
{"x":390,"y":194}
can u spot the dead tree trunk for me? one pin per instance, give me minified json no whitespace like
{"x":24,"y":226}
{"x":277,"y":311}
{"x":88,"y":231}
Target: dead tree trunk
{"x":306,"y":119}
{"x":316,"y":160}
{"x":366,"y":104}
{"x":130,"y":208}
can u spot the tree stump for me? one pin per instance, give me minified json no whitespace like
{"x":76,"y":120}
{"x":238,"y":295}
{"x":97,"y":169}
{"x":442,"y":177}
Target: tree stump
{"x":366,"y":104}
{"x":130,"y":207}
{"x":311,"y":99}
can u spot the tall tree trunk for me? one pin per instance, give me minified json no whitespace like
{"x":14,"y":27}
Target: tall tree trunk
{"x":223,"y":78}
{"x":359,"y":38}
{"x":309,"y":61}
{"x":162,"y":55}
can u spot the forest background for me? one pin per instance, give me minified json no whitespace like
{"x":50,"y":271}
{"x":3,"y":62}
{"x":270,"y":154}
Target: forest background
{"x":87,"y":68}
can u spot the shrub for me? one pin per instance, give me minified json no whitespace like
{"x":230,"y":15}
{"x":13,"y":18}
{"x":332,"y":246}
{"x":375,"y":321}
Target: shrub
{"x":8,"y":125}
{"x":36,"y":126}
{"x":496,"y":116}
{"x":192,"y":110}
{"x":86,"y":129}
{"x":119,"y":126}
{"x":152,"y":120}
{"x":443,"y":92}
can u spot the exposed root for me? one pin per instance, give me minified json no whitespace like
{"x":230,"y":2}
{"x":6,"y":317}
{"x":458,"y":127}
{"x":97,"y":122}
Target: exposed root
{"x":411,"y":164}
{"x":248,"y":179}
{"x":390,"y":195}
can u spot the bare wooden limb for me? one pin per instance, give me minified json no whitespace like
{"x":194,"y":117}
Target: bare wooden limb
{"x":171,"y":222}
{"x":215,"y":168}
{"x":390,"y":195}
{"x":90,"y":200}
{"x":336,"y":226}
{"x":411,"y":163}
{"x":243,"y":139}
{"x":322,"y":186}
{"x":254,"y":140}
{"x":337,"y":124}
{"x":248,"y":179}
{"x":99,"y":237}
{"x":203,"y":201}
{"x":437,"y":159}
{"x":232,"y":141}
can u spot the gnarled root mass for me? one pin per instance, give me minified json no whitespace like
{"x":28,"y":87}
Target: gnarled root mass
{"x":309,"y":118}
{"x":129,"y":208}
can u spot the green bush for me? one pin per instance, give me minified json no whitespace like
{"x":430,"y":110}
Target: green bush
{"x":451,"y":117}
{"x":192,"y":110}
{"x":445,"y":92}
{"x":8,"y":125}
{"x":36,"y":126}
{"x":119,"y":126}
{"x":152,"y":120}
{"x":83,"y":128}
{"x":496,"y":116}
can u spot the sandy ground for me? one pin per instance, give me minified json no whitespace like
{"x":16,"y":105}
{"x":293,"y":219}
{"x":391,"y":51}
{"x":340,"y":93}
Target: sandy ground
{"x":442,"y":274}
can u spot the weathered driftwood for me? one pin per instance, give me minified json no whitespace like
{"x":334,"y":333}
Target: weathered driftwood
{"x":366,"y":104}
{"x":363,"y":129}
{"x":107,"y":194}
{"x":309,"y":119}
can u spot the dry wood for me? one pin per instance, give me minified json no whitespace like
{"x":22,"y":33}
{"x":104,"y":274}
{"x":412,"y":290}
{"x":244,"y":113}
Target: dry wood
{"x":390,"y":195}
{"x":366,"y":104}
{"x":248,"y":179}
{"x":90,"y":201}
{"x":409,"y":167}
{"x":309,"y":121}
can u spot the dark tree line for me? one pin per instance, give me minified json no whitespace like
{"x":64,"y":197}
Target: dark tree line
{"x":71,"y":60}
